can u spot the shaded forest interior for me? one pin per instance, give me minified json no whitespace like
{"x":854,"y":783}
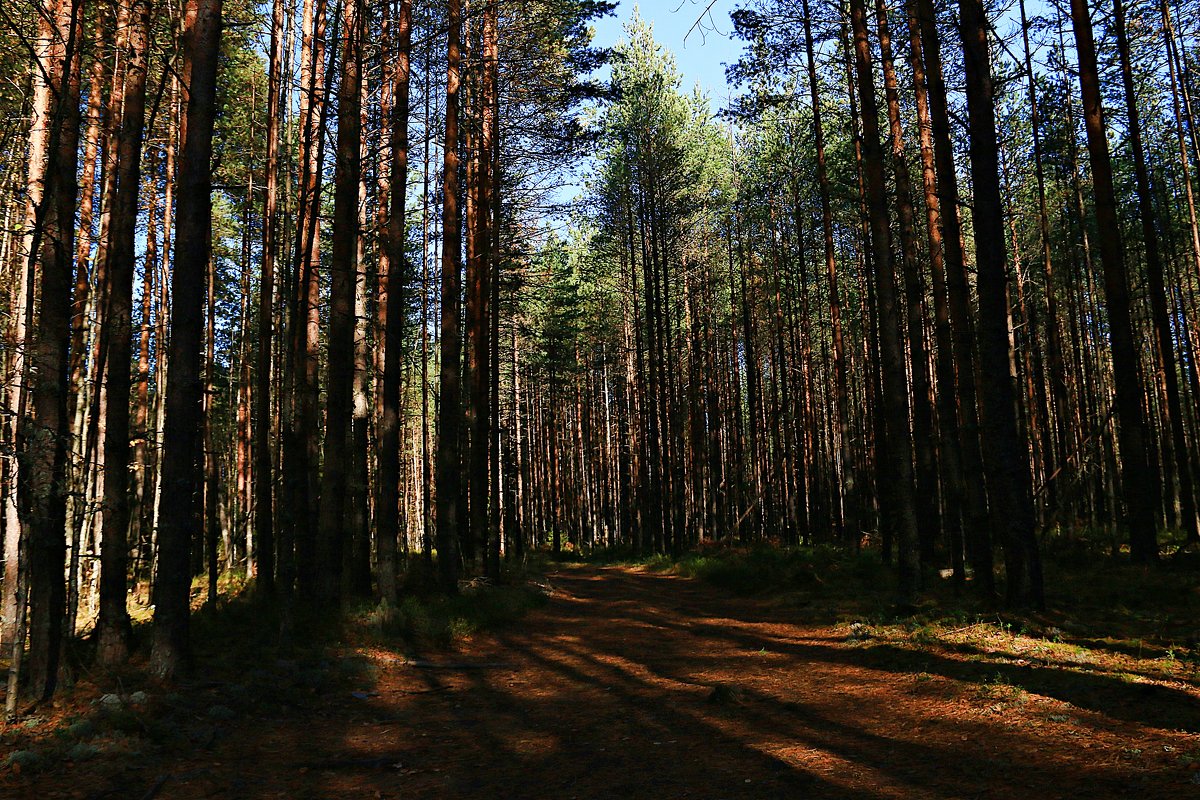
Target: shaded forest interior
{"x":347,"y":322}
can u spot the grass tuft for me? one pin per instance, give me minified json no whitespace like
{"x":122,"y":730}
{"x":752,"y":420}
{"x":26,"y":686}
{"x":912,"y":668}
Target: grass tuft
{"x":440,"y":620}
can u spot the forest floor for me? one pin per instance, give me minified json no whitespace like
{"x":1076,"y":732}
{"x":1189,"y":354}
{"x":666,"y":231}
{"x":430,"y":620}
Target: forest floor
{"x":630,"y":683}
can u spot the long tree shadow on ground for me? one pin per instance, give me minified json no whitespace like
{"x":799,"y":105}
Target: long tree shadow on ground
{"x":1112,"y":695}
{"x":638,"y":686}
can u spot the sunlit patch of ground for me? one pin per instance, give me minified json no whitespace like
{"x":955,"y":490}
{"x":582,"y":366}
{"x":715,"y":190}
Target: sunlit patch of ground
{"x":634,"y":683}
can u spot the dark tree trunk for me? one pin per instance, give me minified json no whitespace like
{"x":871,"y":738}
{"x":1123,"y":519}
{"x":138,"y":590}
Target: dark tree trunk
{"x":264,"y":520}
{"x":43,"y":425}
{"x":928,"y":495}
{"x":113,"y":626}
{"x":978,"y":534}
{"x":179,"y":509}
{"x":891,"y":350}
{"x":953,"y":488}
{"x":849,"y":518}
{"x":339,"y":407}
{"x":1137,"y":482}
{"x":1167,"y":374}
{"x":1006,"y":456}
{"x":393,"y":329}
{"x":450,"y":403}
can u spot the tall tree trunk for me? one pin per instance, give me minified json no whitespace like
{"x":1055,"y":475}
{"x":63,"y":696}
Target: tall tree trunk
{"x":339,"y":406}
{"x":179,"y":509}
{"x":393,"y":328}
{"x":1060,"y":408}
{"x":356,"y":573}
{"x":895,"y":380}
{"x":42,"y":423}
{"x":1168,"y":376}
{"x":205,"y":549}
{"x":162,"y":318}
{"x":1136,"y":481}
{"x":1006,"y":455}
{"x":928,"y":494}
{"x":113,"y":627}
{"x":264,"y":521}
{"x":43,"y":117}
{"x":849,"y":519}
{"x":953,"y":488}
{"x":479,"y":297}
{"x":298,"y":557}
{"x":978,"y":538}
{"x":450,"y":406}
{"x":142,"y":519}
{"x":95,"y":150}
{"x":427,"y":532}
{"x":492,"y":57}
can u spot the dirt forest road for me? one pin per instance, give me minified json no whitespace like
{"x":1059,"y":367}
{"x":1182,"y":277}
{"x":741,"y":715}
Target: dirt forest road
{"x":630,"y":684}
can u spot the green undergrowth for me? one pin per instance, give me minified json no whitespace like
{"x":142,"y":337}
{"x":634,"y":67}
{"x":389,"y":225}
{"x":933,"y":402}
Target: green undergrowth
{"x":795,"y":573}
{"x":1102,"y":612}
{"x":761,"y":570}
{"x":439,"y":620}
{"x":1088,"y":592}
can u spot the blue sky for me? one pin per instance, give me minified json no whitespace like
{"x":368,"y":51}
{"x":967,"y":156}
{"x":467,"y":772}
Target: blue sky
{"x":702,"y":50}
{"x":700,"y":54}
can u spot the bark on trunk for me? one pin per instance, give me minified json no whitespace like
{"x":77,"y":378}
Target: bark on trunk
{"x":891,"y":350}
{"x":179,"y":509}
{"x":113,"y":627}
{"x":1137,"y":484}
{"x":450,"y":411}
{"x":393,"y":328}
{"x":1006,"y":454}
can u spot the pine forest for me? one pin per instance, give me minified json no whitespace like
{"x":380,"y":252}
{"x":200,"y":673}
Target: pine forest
{"x":565,"y":398}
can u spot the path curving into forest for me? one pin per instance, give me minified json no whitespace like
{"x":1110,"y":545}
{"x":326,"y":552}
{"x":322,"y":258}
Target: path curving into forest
{"x":609,"y":692}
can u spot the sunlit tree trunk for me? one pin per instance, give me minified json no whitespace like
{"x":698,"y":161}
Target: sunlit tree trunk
{"x":393,"y":328}
{"x":978,"y":525}
{"x":891,"y":350}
